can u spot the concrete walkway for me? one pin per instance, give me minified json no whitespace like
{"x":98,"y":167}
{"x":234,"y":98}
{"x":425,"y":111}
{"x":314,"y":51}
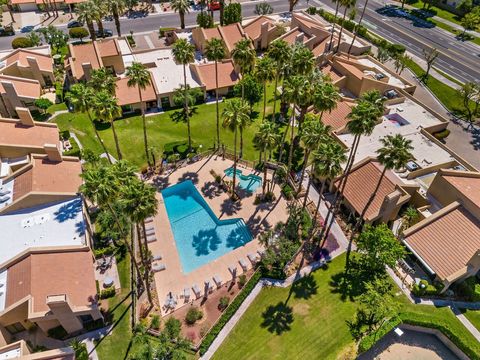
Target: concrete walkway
{"x":89,"y":340}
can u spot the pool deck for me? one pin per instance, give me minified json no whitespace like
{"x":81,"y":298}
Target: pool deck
{"x":257,"y":217}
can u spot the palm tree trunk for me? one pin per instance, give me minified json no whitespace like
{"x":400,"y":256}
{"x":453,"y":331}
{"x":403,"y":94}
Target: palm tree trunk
{"x":264,"y":100}
{"x":100,"y":27}
{"x":222,"y":5}
{"x":305,"y":163}
{"x":341,"y":28}
{"x":241,"y":142}
{"x":275,"y":96}
{"x":358,"y":25}
{"x":187,"y":115}
{"x":147,"y":265}
{"x":182,"y":20}
{"x":234,"y":162}
{"x":305,"y":198}
{"x":292,"y":132}
{"x":144,"y":123}
{"x":91,"y":30}
{"x":280,"y":154}
{"x":116,"y":17}
{"x":322,"y":188}
{"x":117,"y":144}
{"x":98,"y":137}
{"x":264,"y":172}
{"x":333,"y":25}
{"x":216,"y":104}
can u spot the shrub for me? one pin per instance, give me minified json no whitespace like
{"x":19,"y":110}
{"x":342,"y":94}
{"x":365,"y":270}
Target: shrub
{"x":107,"y":293}
{"x":223,"y":303}
{"x":163,"y":30}
{"x":205,"y":20}
{"x":242,"y":280}
{"x":131,"y":40}
{"x":469,"y":289}
{"x":263,"y":9}
{"x":108,"y":250}
{"x":368,"y":341}
{"x":442,"y":134}
{"x":426,"y":289}
{"x":193,"y":315}
{"x":57,"y":332}
{"x":155,"y":322}
{"x":232,"y":13}
{"x":78,"y":33}
{"x":21,"y":42}
{"x":287,"y":192}
{"x":229,"y":312}
{"x":43,"y":104}
{"x":312,"y":10}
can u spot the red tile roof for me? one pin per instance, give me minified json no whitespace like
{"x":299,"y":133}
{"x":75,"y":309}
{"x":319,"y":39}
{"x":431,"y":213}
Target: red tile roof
{"x":254,"y":28}
{"x":26,"y":88}
{"x":45,"y":62}
{"x":226,"y":74}
{"x":13,"y":133}
{"x":337,"y":118}
{"x":129,"y":95}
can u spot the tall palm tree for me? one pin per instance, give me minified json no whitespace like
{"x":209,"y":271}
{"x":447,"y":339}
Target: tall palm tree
{"x":101,"y":10}
{"x":244,"y":57}
{"x":106,"y":109}
{"x":182,"y":7}
{"x":347,"y":4}
{"x":280,"y":52}
{"x":215,"y":51}
{"x":184,"y":53}
{"x":140,"y":203}
{"x":303,"y":60}
{"x":325,"y":97}
{"x":314,"y":132}
{"x":357,"y":27}
{"x":139,"y":77}
{"x":101,"y":79}
{"x":116,"y":8}
{"x":234,"y":114}
{"x":337,"y":7}
{"x":266,"y":139}
{"x":81,"y":97}
{"x":87,"y":14}
{"x":265,"y":72}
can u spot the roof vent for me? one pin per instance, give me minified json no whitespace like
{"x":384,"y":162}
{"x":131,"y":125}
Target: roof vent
{"x":28,"y":222}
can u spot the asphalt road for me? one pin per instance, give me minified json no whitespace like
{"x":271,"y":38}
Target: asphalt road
{"x":457,"y":58}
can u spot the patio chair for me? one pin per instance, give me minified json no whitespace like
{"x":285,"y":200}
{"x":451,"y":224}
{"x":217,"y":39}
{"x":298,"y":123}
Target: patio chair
{"x":148,"y":220}
{"x":157,"y":257}
{"x":217,"y":280}
{"x":208,"y":287}
{"x":243,"y":264}
{"x":151,"y":238}
{"x":4,"y":198}
{"x":253,"y":258}
{"x":233,"y":270}
{"x":159,"y":267}
{"x":186,"y":294}
{"x":150,"y":231}
{"x":4,"y":192}
{"x":196,"y":290}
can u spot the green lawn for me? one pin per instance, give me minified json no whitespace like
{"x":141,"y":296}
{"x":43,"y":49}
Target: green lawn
{"x":473,"y":316}
{"x":444,"y":14}
{"x":313,"y":322}
{"x":161,"y":130}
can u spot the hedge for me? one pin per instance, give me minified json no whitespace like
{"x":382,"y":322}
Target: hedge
{"x":107,"y":293}
{"x":21,"y":42}
{"x":229,"y":312}
{"x":368,"y":341}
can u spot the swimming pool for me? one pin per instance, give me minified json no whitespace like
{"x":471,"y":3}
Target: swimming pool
{"x":199,"y":235}
{"x":247,"y":182}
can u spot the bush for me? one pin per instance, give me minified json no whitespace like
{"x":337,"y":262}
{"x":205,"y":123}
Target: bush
{"x":163,"y":30}
{"x":78,"y":33}
{"x":263,"y":9}
{"x":57,"y":332}
{"x":193,"y":315}
{"x":108,"y":250}
{"x":426,"y":289}
{"x":442,"y":134}
{"x":178,"y":147}
{"x":232,"y":13}
{"x":43,"y":104}
{"x":312,"y":10}
{"x":223,"y":303}
{"x":287,"y":192}
{"x":205,"y":20}
{"x":368,"y":341}
{"x":228,"y":313}
{"x":469,"y":289}
{"x":242,"y":280}
{"x":155,"y":322}
{"x":107,"y":293}
{"x":131,"y":40}
{"x":21,"y":42}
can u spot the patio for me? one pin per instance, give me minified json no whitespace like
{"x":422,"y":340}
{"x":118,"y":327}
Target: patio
{"x":257,"y":218}
{"x":106,"y":272}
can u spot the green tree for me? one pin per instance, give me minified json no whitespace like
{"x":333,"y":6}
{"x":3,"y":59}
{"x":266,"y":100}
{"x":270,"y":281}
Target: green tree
{"x":78,"y":33}
{"x":232,"y":13}
{"x":54,"y":37}
{"x":303,"y":60}
{"x":265,"y":72}
{"x":21,"y":42}
{"x":244,"y":57}
{"x":337,"y":8}
{"x":182,"y":7}
{"x":80,"y":349}
{"x":251,"y":89}
{"x":470,"y":21}
{"x":357,"y":26}
{"x":106,"y":109}
{"x":430,"y":56}
{"x":139,"y":77}
{"x":235,"y":113}
{"x":263,"y":8}
{"x":280,"y":52}
{"x":215,"y":51}
{"x":43,"y":104}
{"x":205,"y":21}
{"x":184,"y":53}
{"x":465,"y":6}
{"x":470,"y":93}
{"x":81,"y":97}
{"x":102,"y":80}
{"x":265,"y":140}
{"x":86,"y":14}
{"x":100,"y":9}
{"x":116,"y":8}
{"x":325,"y":97}
{"x":401,"y":62}
{"x":34,"y":38}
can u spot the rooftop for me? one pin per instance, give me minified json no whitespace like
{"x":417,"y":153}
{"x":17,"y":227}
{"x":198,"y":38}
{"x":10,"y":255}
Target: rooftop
{"x":254,"y":27}
{"x":20,"y":56}
{"x":446,"y":241}
{"x":26,"y":88}
{"x":337,"y":118}
{"x":469,"y":186}
{"x":13,"y":133}
{"x":129,"y":95}
{"x":226,"y":74}
{"x":59,"y":224}
{"x":167,"y":74}
{"x":91,"y":53}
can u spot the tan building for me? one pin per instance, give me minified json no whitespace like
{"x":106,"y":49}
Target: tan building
{"x":84,"y":58}
{"x":129,"y":99}
{"x":447,"y":240}
{"x":227,"y":77}
{"x":29,"y":64}
{"x":33,"y":5}
{"x":18,"y":92}
{"x":20,"y":350}
{"x":230,"y":34}
{"x":262,"y":31}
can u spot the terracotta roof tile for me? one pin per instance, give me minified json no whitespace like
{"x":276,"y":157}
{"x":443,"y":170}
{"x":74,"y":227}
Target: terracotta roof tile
{"x":291,"y":36}
{"x":129,"y":95}
{"x":226,"y":75}
{"x":44,"y":61}
{"x":108,"y":48}
{"x":337,"y":118}
{"x":448,"y":242}
{"x":468,"y":186}
{"x":13,"y":133}
{"x":26,"y":88}
{"x":329,"y":70}
{"x":254,"y":28}
{"x":83,"y":54}
{"x":231,"y":34}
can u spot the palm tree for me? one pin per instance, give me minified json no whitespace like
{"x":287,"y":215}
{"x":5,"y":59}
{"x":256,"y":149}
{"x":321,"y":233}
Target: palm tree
{"x":100,"y":8}
{"x":312,"y":135}
{"x":234,"y":114}
{"x":86,"y":14}
{"x":116,"y":8}
{"x":357,"y":27}
{"x":337,"y":7}
{"x":265,"y":72}
{"x":140,"y":203}
{"x":182,"y":7}
{"x":139,"y":77}
{"x":101,"y":79}
{"x":303,"y":60}
{"x":280,"y":52}
{"x":325,"y":97}
{"x":244,"y":57}
{"x":106,"y":109}
{"x":265,"y":140}
{"x":81,"y":97}
{"x":184,"y":53}
{"x":347,"y":4}
{"x":215,"y":51}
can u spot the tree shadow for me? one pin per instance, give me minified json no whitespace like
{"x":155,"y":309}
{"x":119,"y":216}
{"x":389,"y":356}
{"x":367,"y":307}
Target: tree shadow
{"x":205,"y":241}
{"x":210,"y":189}
{"x":192,"y":176}
{"x":179,"y":115}
{"x":230,"y":207}
{"x":100,"y":125}
{"x":161,"y":182}
{"x":304,"y":288}
{"x":277,"y":318}
{"x":238,"y":237}
{"x":69,"y":210}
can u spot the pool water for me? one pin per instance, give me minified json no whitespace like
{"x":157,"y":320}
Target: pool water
{"x":199,"y":235}
{"x":247,"y":182}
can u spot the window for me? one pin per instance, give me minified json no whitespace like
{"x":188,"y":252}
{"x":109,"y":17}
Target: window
{"x":15,"y":328}
{"x":85,"y":319}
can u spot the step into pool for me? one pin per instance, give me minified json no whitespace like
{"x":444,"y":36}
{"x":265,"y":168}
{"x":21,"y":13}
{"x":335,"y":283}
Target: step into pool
{"x":247,"y":182}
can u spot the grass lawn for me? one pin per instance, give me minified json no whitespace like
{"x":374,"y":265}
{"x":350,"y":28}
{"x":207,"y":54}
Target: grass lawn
{"x":473,"y":316}
{"x":161,"y":130}
{"x":444,"y":14}
{"x":313,"y":322}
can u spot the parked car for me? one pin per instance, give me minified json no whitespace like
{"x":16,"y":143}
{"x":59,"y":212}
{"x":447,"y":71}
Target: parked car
{"x":106,"y":33}
{"x":74,"y":23}
{"x":214,"y":5}
{"x":6,"y":30}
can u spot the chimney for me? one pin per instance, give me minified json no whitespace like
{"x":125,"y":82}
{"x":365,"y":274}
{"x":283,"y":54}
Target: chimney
{"x":11,"y":93}
{"x":62,"y":311}
{"x":26,"y":118}
{"x":87,"y":70}
{"x":53,"y":153}
{"x":37,"y":73}
{"x":389,"y":205}
{"x":299,"y":38}
{"x":264,"y":35}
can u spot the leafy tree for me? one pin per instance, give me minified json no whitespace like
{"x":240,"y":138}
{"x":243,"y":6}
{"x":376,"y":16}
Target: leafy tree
{"x":232,"y":13}
{"x":252,"y":90}
{"x":205,"y":20}
{"x":54,"y":37}
{"x":400,"y":63}
{"x":280,"y":52}
{"x":43,"y":104}
{"x":182,"y":7}
{"x":465,"y":6}
{"x":265,"y":72}
{"x":100,"y":9}
{"x":78,"y":33}
{"x":21,"y":42}
{"x":194,"y":96}
{"x":81,"y":352}
{"x":244,"y":57}
{"x":469,"y":93}
{"x":303,"y":60}
{"x":470,"y":21}
{"x":430,"y":57}
{"x":265,"y":140}
{"x":382,"y":54}
{"x":263,"y":8}
{"x":325,"y":97}
{"x":102,"y":80}
{"x":34,"y":38}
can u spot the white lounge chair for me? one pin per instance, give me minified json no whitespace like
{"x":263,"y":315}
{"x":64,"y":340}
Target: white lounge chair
{"x":196,"y":290}
{"x":243,"y":264}
{"x":150,"y":231}
{"x":208,"y":287}
{"x":186,"y":294}
{"x":217,"y":280}
{"x":4,"y":198}
{"x":253,"y":258}
{"x":158,"y":267}
{"x":233,"y":270}
{"x":151,"y":238}
{"x":4,"y":192}
{"x":157,"y":257}
{"x":148,"y":220}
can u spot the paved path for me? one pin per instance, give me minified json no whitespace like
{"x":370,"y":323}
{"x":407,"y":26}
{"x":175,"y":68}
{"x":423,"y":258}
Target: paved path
{"x":74,"y":136}
{"x":89,"y":340}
